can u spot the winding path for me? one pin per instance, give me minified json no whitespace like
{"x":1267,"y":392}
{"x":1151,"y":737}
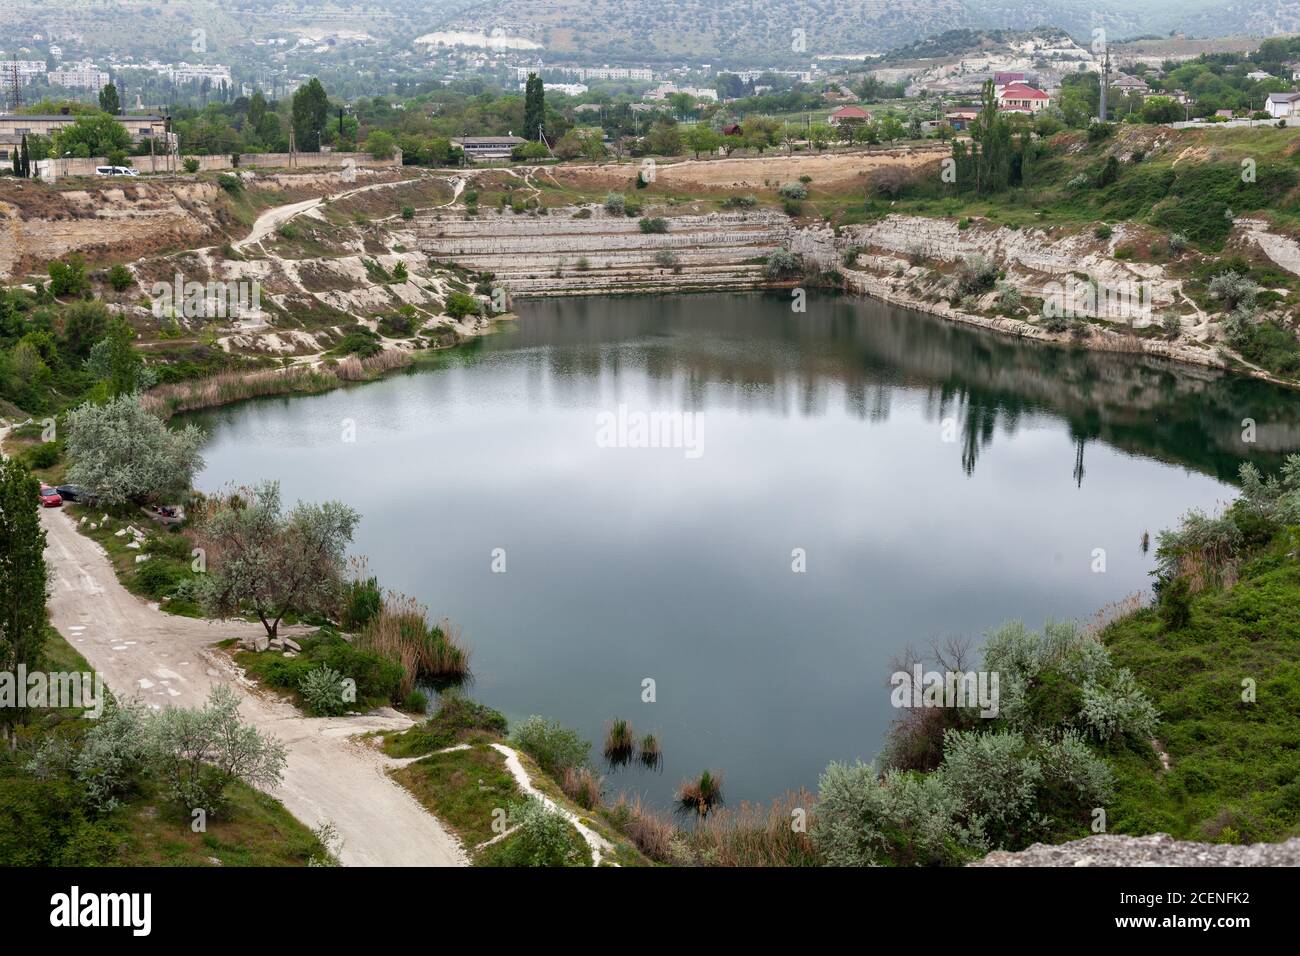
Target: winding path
{"x":165,"y":659}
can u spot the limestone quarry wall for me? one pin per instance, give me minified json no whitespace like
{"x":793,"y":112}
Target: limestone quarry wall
{"x":558,"y":253}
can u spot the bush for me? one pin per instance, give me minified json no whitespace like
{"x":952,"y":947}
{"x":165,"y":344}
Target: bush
{"x":362,"y":602}
{"x":908,"y":820}
{"x":201,"y":750}
{"x":120,"y":278}
{"x":44,"y":455}
{"x":408,"y":212}
{"x":976,"y":275}
{"x":113,"y":754}
{"x":654,"y":225}
{"x":158,"y":578}
{"x":615,"y":203}
{"x":69,"y":278}
{"x":543,"y":838}
{"x":1102,"y":232}
{"x":190,"y":164}
{"x":553,"y":747}
{"x":794,"y":191}
{"x":461,"y":304}
{"x":782,"y":262}
{"x":322,"y":690}
{"x":231,"y":184}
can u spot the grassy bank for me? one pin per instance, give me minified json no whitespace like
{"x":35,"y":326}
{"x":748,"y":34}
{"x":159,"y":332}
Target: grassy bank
{"x":46,"y":820}
{"x":1234,"y":762}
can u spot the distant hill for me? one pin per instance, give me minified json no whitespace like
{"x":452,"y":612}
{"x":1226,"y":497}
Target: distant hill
{"x":736,"y":30}
{"x":723,"y":32}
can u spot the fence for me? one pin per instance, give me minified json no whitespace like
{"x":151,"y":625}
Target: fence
{"x":54,"y":169}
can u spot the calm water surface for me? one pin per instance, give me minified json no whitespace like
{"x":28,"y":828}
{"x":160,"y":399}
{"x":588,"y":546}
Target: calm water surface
{"x":939,"y":479}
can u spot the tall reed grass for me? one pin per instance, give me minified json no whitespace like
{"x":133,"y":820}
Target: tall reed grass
{"x":226,"y":388}
{"x":401,"y":632}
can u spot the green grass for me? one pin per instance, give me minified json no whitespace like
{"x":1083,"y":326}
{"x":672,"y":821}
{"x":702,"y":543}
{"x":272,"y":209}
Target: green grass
{"x":1235,"y":766}
{"x":43,"y":822}
{"x":457,"y":720}
{"x":464,"y":789}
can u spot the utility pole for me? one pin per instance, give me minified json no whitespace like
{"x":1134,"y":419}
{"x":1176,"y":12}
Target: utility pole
{"x":1105,"y":83}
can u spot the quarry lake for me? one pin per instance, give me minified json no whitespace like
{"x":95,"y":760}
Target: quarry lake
{"x":931,"y":479}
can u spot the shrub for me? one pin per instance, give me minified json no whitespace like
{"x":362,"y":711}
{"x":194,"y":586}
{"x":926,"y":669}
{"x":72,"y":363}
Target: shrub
{"x":231,"y":184}
{"x":795,"y":191}
{"x":1102,"y":232}
{"x":201,"y":750}
{"x":1171,"y":325}
{"x":780,"y":263}
{"x":113,"y":754}
{"x":120,"y":278}
{"x":323,"y":691}
{"x":408,"y":212}
{"x":461,"y":304}
{"x":1234,"y":290}
{"x":976,"y":275}
{"x":554,"y":747}
{"x":1177,"y":243}
{"x":543,"y":837}
{"x":615,"y":203}
{"x":362,"y":601}
{"x":906,"y":820}
{"x":69,"y":278}
{"x":190,"y":164}
{"x":44,"y":455}
{"x":654,"y":225}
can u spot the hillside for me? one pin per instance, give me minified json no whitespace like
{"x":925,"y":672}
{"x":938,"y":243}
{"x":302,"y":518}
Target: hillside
{"x":722,"y":31}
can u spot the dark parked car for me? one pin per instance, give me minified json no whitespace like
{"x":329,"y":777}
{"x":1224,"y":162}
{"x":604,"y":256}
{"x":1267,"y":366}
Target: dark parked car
{"x":72,"y":492}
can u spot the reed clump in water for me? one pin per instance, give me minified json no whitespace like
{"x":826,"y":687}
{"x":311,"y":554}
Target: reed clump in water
{"x":401,"y":632}
{"x":701,"y":795}
{"x":620,"y":742}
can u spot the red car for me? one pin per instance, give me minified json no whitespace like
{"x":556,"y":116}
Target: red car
{"x":50,"y":498}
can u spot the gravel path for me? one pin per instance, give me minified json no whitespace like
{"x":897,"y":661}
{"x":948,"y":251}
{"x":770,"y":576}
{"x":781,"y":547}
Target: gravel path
{"x":165,"y":659}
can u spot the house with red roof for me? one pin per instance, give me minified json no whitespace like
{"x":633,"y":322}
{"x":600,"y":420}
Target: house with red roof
{"x":849,"y":116}
{"x":1022,"y":98}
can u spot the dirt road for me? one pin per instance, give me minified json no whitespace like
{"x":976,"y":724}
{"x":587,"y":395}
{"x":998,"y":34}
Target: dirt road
{"x":168,"y":660}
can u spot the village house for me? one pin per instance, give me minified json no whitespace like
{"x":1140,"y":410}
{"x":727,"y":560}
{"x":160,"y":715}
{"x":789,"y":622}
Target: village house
{"x":1259,"y":75}
{"x":1282,"y":105}
{"x":849,"y":116}
{"x":960,"y":119}
{"x":1019,"y":97}
{"x":1002,"y":80}
{"x":1129,"y":85}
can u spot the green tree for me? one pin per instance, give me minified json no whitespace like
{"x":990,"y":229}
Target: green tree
{"x":272,"y":563}
{"x":122,"y":452}
{"x":256,"y":110}
{"x":534,"y":106}
{"x":380,"y":144}
{"x":310,"y":113}
{"x":109,"y":101}
{"x":95,"y":134}
{"x":701,"y":139}
{"x":23,"y":575}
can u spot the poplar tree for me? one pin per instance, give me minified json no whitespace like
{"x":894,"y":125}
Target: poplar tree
{"x":23,"y":576}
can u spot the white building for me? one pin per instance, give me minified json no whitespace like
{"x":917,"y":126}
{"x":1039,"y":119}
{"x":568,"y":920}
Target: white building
{"x":1282,"y":105}
{"x":79,"y":76}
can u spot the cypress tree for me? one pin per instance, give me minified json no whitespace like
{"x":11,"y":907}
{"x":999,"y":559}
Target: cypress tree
{"x":23,"y":575}
{"x":26,"y":172}
{"x":534,"y":106}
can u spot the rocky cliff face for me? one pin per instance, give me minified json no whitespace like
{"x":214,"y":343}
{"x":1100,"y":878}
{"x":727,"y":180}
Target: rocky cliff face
{"x":1159,"y":849}
{"x":565,"y":253}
